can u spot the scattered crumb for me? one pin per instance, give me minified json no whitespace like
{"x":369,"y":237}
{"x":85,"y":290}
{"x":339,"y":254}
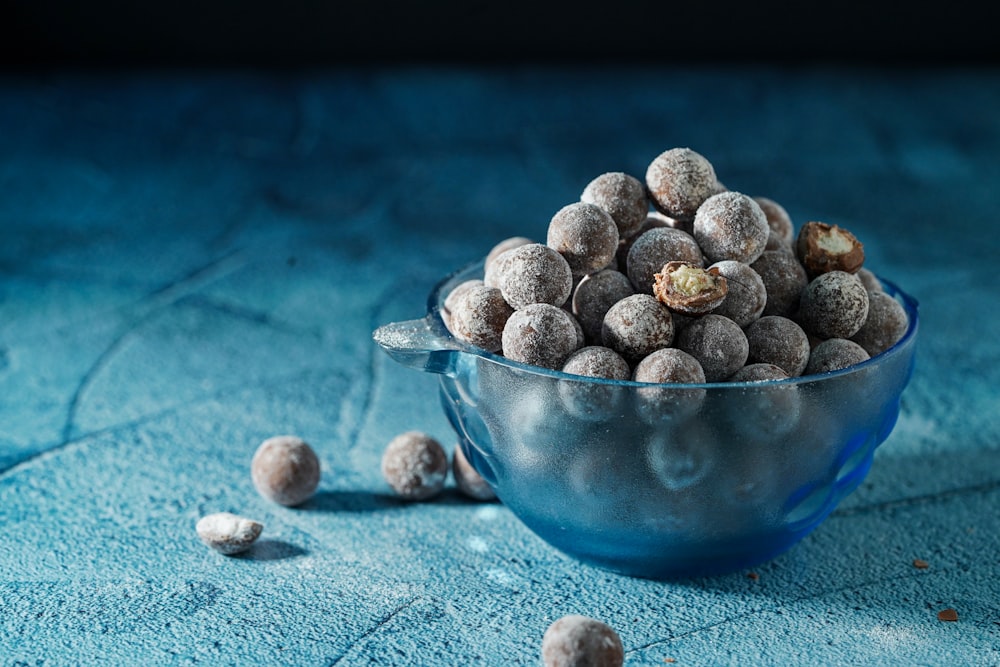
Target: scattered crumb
{"x":753,"y":575}
{"x":947,"y":615}
{"x":920,"y":564}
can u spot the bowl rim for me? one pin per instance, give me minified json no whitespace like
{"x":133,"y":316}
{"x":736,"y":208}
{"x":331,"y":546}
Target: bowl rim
{"x":438,"y":294}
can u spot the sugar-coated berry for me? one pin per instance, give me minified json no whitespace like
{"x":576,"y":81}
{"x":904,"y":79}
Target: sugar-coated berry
{"x":869,"y":280}
{"x":833,"y":305}
{"x":779,"y":341}
{"x":467,"y":479}
{"x":622,"y":196}
{"x":746,"y":295}
{"x":679,"y":180}
{"x":541,"y":335}
{"x":655,"y":248}
{"x":782,"y":231}
{"x":531,"y":273}
{"x":591,"y":401}
{"x":636,"y":326}
{"x":766,"y":412}
{"x":415,"y":465}
{"x":285,"y":470}
{"x":503,"y":246}
{"x":731,"y":225}
{"x":228,"y":533}
{"x":668,"y":366}
{"x":885,"y":325}
{"x":581,"y":641}
{"x":594,"y":295}
{"x":653,"y":220}
{"x":759,"y":372}
{"x":585,"y":235}
{"x":479,"y":316}
{"x":718,"y":343}
{"x":599,"y":362}
{"x":783,"y":278}
{"x":834,"y":354}
{"x":453,"y":297}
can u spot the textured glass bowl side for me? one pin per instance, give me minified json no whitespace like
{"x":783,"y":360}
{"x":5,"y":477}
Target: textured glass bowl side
{"x":660,"y":480}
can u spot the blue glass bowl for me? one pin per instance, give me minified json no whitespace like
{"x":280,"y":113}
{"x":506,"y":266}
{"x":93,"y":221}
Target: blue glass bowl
{"x":660,"y":481}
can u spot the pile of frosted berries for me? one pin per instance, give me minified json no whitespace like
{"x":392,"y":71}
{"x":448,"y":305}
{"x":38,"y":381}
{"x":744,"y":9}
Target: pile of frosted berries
{"x":678,"y":279}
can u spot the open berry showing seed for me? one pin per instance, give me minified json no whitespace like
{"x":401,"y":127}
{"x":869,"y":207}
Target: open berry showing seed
{"x":822,"y":247}
{"x":690,"y":289}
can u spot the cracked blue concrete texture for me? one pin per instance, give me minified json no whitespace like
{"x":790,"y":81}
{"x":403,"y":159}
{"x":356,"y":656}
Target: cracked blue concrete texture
{"x":193,"y":262}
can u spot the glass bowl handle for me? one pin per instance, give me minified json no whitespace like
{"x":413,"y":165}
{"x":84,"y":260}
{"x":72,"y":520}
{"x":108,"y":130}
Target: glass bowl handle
{"x":419,"y":344}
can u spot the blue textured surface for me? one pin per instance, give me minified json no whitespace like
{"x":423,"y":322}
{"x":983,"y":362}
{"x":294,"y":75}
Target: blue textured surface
{"x":191,"y":263}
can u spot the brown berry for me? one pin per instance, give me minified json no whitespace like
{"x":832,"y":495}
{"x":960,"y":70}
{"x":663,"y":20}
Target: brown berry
{"x":947,"y":615}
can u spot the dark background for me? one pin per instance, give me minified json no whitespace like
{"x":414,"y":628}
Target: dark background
{"x":46,"y":33}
